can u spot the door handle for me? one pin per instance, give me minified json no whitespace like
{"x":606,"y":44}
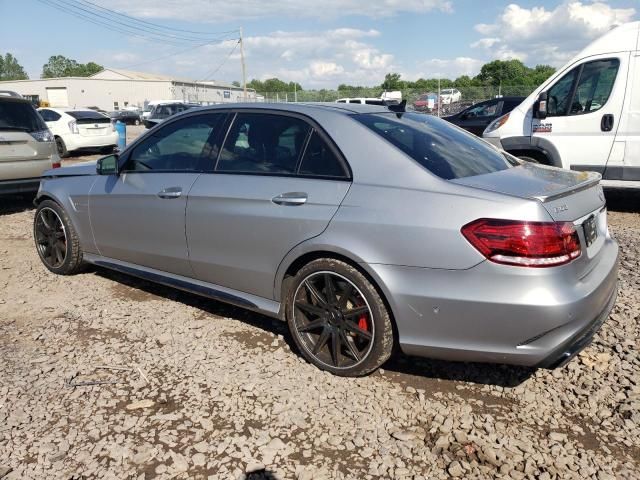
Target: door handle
{"x":606,"y":124}
{"x":170,"y":192}
{"x":290,"y":198}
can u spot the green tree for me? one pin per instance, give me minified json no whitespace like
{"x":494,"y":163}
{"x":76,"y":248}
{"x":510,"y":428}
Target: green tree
{"x":61,"y":66}
{"x":504,"y":72}
{"x":273,"y":85}
{"x":10,"y":69}
{"x":236,"y":83}
{"x":392,"y":82}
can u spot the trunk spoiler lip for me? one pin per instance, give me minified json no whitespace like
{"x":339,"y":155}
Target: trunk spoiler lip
{"x":589,"y":180}
{"x":592,"y":180}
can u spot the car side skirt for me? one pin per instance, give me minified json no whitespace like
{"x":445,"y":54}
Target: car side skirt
{"x":209,"y":290}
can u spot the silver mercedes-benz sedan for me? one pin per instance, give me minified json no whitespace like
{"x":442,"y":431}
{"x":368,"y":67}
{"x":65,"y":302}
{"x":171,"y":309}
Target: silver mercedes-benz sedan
{"x":363,"y":227}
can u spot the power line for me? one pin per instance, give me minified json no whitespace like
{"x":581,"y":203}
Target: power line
{"x":154,"y":24}
{"x":190,"y":48}
{"x":127,"y":25}
{"x":122,"y":27}
{"x":56,"y":6}
{"x":211,"y":74}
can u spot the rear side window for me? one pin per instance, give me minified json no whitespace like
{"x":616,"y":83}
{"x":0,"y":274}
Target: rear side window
{"x":439,"y":147}
{"x":88,"y":116}
{"x":263,"y":143}
{"x":20,"y":116}
{"x":49,"y":115}
{"x":319,"y":160}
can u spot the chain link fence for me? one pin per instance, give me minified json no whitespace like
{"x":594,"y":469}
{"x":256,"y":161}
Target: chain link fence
{"x":453,"y":99}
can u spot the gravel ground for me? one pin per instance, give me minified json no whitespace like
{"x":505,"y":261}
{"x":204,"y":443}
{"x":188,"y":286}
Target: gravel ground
{"x":105,"y":376}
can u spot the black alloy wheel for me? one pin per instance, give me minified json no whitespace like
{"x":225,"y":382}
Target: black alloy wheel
{"x":51,"y":238}
{"x":333,"y":320}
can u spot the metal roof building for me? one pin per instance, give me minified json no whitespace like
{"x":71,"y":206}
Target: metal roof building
{"x":116,"y":89}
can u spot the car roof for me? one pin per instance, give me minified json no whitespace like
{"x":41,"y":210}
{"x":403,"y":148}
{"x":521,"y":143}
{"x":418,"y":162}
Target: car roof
{"x":304,"y":108}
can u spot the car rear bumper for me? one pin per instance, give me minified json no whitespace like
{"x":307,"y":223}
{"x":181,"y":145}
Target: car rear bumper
{"x":25,"y":185}
{"x":78,"y":142}
{"x":492,"y":313}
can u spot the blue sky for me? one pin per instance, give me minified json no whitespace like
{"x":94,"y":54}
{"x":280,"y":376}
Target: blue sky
{"x":318,"y":44}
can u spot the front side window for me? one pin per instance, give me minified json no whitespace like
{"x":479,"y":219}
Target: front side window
{"x":438,"y":146}
{"x":559,"y":96}
{"x":595,"y":85}
{"x":263,"y":143}
{"x":185,"y":145}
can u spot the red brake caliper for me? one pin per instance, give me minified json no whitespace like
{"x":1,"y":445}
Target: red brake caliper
{"x":362,"y":322}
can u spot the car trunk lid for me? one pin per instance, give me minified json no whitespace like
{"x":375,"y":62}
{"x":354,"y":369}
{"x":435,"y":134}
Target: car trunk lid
{"x":91,"y":123}
{"x":567,"y":195}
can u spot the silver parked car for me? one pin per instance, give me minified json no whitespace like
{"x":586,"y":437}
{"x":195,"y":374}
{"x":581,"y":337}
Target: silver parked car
{"x":362,"y":227}
{"x":27,"y":146}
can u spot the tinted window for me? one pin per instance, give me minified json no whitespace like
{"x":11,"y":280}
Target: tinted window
{"x":20,"y":115}
{"x":88,"y":116}
{"x":594,"y":87}
{"x":483,"y":110}
{"x":355,"y":101}
{"x":442,"y":149}
{"x":185,"y":145}
{"x":320,"y":160}
{"x":263,"y":143}
{"x":559,"y":95}
{"x":374,"y":102}
{"x":510,"y":105}
{"x":49,"y":115}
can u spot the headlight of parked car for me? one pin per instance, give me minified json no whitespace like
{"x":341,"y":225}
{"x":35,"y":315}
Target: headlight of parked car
{"x":497,"y":123}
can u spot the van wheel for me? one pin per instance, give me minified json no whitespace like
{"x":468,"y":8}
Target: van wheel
{"x":136,"y":122}
{"x":62,"y":148}
{"x":338,"y":319}
{"x":56,"y":240}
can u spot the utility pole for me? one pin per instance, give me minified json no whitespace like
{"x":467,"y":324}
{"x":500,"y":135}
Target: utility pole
{"x":244,"y":68}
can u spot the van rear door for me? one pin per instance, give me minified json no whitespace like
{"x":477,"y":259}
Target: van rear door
{"x":584,"y":109}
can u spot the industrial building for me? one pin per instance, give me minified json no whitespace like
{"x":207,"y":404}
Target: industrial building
{"x":115,"y":89}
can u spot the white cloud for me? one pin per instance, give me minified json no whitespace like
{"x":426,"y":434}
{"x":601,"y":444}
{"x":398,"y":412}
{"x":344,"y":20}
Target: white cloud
{"x":220,"y":11}
{"x":315,"y":59}
{"x":538,"y":35}
{"x":445,"y":68}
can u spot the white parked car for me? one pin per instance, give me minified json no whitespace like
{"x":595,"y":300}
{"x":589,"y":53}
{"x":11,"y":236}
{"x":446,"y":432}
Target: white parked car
{"x":362,"y":101}
{"x":450,"y":95}
{"x":80,"y":129}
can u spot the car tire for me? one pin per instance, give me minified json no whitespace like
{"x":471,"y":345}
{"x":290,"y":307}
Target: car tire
{"x":56,"y":239}
{"x":108,"y":150}
{"x":338,"y":319}
{"x":62,"y":148}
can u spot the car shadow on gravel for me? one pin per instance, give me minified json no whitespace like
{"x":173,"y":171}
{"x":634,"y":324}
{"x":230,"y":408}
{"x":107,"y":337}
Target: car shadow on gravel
{"x":401,"y":367}
{"x":416,"y":369}
{"x":16,"y":203}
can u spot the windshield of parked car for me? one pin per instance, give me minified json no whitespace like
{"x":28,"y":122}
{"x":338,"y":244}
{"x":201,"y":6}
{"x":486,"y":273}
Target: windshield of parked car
{"x":438,"y":146}
{"x":20,"y":116}
{"x":446,"y":91}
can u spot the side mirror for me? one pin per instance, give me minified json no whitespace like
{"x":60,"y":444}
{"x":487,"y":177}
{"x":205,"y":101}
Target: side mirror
{"x":107,"y":165}
{"x":540,"y":107}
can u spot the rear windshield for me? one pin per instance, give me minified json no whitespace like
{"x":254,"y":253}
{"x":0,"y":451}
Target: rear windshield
{"x":88,"y":116}
{"x":20,"y":116}
{"x":438,"y":146}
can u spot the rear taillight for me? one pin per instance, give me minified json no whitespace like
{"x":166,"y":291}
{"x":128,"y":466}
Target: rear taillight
{"x":55,"y":165}
{"x":73,"y":126}
{"x":43,"y":135}
{"x":526,"y":244}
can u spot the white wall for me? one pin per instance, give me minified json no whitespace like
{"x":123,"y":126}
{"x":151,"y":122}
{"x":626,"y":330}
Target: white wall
{"x":102,"y":93}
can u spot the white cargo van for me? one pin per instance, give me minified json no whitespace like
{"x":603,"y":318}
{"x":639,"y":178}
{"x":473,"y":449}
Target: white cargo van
{"x":586,"y":116}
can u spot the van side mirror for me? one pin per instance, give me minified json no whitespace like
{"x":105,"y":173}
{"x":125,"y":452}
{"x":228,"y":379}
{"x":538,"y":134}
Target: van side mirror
{"x":541,"y":106}
{"x":107,"y":165}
